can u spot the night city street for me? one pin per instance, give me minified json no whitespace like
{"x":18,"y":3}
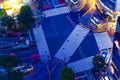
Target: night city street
{"x":59,"y":40}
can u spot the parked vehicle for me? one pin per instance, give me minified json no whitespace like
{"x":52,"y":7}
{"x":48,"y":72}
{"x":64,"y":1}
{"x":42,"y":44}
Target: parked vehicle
{"x":94,"y":20}
{"x":27,"y":69}
{"x":18,"y":68}
{"x":24,"y":69}
{"x":35,"y":57}
{"x":20,"y":46}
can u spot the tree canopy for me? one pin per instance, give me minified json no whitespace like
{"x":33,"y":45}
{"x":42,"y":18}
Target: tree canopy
{"x":2,"y":12}
{"x":15,"y":75}
{"x":25,"y":7}
{"x":7,"y":21}
{"x":26,"y":16}
{"x":99,"y":62}
{"x":9,"y":61}
{"x":67,"y":74}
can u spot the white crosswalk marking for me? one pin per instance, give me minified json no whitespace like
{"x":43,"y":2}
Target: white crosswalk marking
{"x":41,"y":43}
{"x":56,"y":11}
{"x":103,"y":40}
{"x":71,"y":43}
{"x":82,"y":65}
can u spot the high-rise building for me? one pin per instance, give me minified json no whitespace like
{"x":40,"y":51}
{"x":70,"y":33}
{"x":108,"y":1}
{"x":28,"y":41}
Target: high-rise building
{"x":116,"y":51}
{"x":118,"y":25}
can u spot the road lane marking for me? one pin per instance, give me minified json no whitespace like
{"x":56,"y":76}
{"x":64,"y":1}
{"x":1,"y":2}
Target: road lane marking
{"x":41,"y":43}
{"x":72,"y":43}
{"x":70,"y":20}
{"x":56,"y":11}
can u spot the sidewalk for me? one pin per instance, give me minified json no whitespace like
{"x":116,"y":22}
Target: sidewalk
{"x":82,"y":65}
{"x":103,"y":40}
{"x":56,"y":11}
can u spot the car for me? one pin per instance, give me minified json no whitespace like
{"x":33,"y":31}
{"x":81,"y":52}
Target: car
{"x":74,"y":1}
{"x":20,"y":46}
{"x":27,"y":69}
{"x":106,"y":78}
{"x":24,"y":69}
{"x":18,"y":68}
{"x":12,"y":54}
{"x":104,"y":54}
{"x":94,"y":20}
{"x":35,"y":57}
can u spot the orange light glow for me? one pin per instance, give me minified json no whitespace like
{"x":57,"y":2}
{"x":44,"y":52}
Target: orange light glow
{"x":12,"y":6}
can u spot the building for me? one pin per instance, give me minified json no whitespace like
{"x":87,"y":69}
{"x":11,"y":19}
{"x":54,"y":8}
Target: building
{"x":116,"y":51}
{"x":78,"y":5}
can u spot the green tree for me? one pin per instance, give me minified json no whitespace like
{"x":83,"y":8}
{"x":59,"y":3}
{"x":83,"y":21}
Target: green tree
{"x":67,"y":74}
{"x":99,"y":62}
{"x":25,"y":17}
{"x":25,"y":7}
{"x":15,"y":75}
{"x":2,"y":12}
{"x":9,"y":62}
{"x":7,"y":22}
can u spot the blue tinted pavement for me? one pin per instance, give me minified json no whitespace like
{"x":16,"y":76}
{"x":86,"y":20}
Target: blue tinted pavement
{"x":56,"y":30}
{"x":86,"y":49}
{"x":89,"y":45}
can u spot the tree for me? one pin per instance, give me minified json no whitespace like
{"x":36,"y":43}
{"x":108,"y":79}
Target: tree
{"x":7,"y":21}
{"x":67,"y":74}
{"x":25,"y":17}
{"x":8,"y":62}
{"x":15,"y":75}
{"x":2,"y":12}
{"x":99,"y":62}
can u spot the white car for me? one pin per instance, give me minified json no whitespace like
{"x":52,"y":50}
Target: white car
{"x":94,"y":20}
{"x":24,"y":69}
{"x":20,"y":46}
{"x":18,"y":68}
{"x":27,"y":69}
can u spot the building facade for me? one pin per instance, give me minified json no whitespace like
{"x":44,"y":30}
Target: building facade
{"x":116,"y":51}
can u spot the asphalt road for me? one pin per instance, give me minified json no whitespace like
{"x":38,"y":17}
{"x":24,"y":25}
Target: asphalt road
{"x":23,"y":52}
{"x":58,"y":28}
{"x":47,"y":70}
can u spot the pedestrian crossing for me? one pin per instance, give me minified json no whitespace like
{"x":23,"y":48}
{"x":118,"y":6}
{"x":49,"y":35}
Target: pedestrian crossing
{"x":82,"y":65}
{"x":56,"y":11}
{"x":72,"y":43}
{"x":103,"y":41}
{"x":41,"y":43}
